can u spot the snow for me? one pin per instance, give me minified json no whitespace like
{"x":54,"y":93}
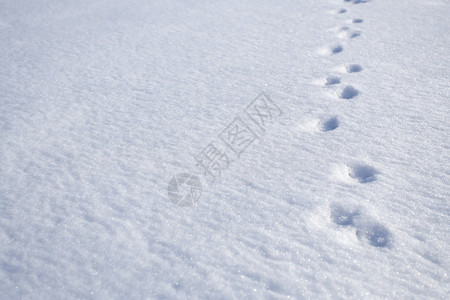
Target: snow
{"x":343,"y":194}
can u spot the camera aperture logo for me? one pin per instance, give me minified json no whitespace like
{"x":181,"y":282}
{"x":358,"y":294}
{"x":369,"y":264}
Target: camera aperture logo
{"x":185,"y":189}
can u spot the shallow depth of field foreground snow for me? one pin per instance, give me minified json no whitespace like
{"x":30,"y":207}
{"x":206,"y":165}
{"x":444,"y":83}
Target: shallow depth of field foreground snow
{"x":344,"y":192}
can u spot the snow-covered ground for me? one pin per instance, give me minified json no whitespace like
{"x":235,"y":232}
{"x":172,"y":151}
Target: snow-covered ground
{"x":342,"y":193}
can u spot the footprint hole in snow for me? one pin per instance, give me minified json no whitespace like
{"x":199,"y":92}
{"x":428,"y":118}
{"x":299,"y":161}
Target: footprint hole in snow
{"x":343,"y":216}
{"x":330,"y":124}
{"x":376,"y":234}
{"x":363,"y":173}
{"x":354,"y":34}
{"x":348,"y":92}
{"x":354,"y":68}
{"x":336,"y":49}
{"x":331,"y":80}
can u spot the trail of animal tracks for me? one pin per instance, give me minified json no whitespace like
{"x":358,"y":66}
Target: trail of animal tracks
{"x":231,"y":150}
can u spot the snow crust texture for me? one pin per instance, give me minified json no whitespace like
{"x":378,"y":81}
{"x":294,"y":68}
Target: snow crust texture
{"x":105,"y":105}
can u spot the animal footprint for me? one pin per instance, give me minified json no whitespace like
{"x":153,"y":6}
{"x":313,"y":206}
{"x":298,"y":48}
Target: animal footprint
{"x":353,"y":68}
{"x":338,"y":11}
{"x":345,"y":32}
{"x":357,"y":20}
{"x":353,"y":34}
{"x":333,"y":49}
{"x":336,"y":49}
{"x":348,"y":92}
{"x":330,"y":124}
{"x":357,"y":1}
{"x":367,"y":230}
{"x":331,"y":80}
{"x":376,"y":234}
{"x":343,"y":216}
{"x":363,"y":173}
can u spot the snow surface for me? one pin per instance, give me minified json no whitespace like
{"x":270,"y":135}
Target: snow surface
{"x":345,"y":195}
